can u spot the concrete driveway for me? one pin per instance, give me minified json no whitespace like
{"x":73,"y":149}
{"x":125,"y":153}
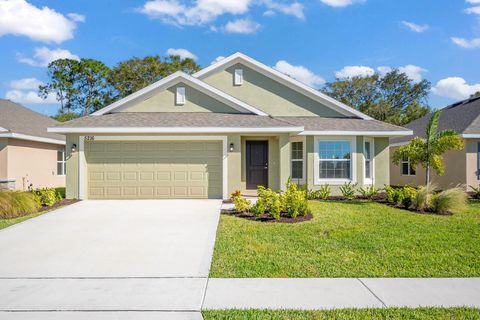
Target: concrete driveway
{"x":110,"y":255}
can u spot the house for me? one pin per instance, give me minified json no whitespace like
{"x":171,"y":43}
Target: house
{"x":29,"y":155}
{"x":234,"y":125}
{"x":462,"y":166}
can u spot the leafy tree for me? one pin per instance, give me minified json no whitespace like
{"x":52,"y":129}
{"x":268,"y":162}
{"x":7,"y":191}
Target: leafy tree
{"x":134,"y":74}
{"x":429,"y":151}
{"x":393,"y":98}
{"x":65,"y":116}
{"x":477,"y":94}
{"x":61,"y":73}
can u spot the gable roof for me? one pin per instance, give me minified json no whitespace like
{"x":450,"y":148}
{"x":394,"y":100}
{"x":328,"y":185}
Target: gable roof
{"x":18,"y":122}
{"x":283,"y":79}
{"x":463,"y":117}
{"x":175,"y":78}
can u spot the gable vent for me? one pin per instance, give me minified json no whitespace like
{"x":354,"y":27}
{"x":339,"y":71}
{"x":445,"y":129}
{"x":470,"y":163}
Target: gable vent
{"x":180,"y":96}
{"x":238,"y":77}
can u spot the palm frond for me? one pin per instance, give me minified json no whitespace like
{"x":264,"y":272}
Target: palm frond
{"x":433,"y":125}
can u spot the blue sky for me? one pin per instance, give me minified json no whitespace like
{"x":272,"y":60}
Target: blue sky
{"x":313,"y":41}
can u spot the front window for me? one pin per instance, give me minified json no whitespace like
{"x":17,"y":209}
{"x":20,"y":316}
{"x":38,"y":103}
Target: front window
{"x":334,"y":160}
{"x":297,"y":160}
{"x":61,"y":164}
{"x":406,"y":167}
{"x":368,"y":160}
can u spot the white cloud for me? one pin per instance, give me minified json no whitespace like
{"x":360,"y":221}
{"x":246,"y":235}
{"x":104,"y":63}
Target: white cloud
{"x":473,"y":10}
{"x":294,"y":9}
{"x":456,"y":88}
{"x":341,"y":3}
{"x":217,"y":59}
{"x":415,"y":27}
{"x":349,"y":72}
{"x":76,"y":17}
{"x":413,"y":72}
{"x":300,"y":73}
{"x":383,"y":70}
{"x":25,"y":84}
{"x":26,"y":97}
{"x":18,"y":17}
{"x":473,"y":1}
{"x":43,"y":56}
{"x":182,"y":53}
{"x":244,"y":26}
{"x":465,"y":43}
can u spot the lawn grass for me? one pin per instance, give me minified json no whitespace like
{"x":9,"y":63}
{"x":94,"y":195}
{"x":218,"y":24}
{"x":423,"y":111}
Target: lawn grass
{"x":4,"y":223}
{"x":351,"y":239}
{"x":347,"y":314}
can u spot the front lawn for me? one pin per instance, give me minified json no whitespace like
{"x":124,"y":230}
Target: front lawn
{"x":4,"y":223}
{"x":351,"y":239}
{"x":347,"y":314}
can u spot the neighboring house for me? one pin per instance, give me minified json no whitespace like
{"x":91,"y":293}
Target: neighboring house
{"x":462,"y":167}
{"x":29,"y":155}
{"x":236,"y":124}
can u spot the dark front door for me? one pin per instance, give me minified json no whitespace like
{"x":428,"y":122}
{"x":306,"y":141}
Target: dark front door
{"x":257,"y":164}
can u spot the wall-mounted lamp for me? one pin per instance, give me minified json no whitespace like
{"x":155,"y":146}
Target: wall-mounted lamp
{"x":74,"y":147}
{"x":232,"y":147}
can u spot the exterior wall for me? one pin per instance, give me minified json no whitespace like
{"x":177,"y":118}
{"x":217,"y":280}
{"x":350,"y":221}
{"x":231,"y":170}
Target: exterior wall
{"x":472,"y":162}
{"x":164,"y":101}
{"x":33,"y":163}
{"x":455,"y":172}
{"x":3,"y":158}
{"x":268,"y":95}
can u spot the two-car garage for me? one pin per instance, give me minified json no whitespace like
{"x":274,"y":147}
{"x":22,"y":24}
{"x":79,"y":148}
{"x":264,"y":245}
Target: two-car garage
{"x":171,"y":169}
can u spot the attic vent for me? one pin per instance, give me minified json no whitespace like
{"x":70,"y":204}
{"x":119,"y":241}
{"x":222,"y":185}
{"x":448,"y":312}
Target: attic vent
{"x":238,"y":77}
{"x":180,"y":96}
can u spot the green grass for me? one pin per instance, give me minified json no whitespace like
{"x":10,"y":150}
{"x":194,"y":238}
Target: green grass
{"x":355,"y":239}
{"x":347,"y":314}
{"x":4,"y":223}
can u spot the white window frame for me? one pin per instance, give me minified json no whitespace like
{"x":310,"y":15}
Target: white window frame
{"x":180,"y":97}
{"x":410,"y":168}
{"x":372,"y":161}
{"x":63,"y":162}
{"x":304,"y":155}
{"x":353,"y":160}
{"x":238,"y":77}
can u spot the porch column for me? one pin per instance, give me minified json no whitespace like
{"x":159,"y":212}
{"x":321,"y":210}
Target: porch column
{"x":285,"y":161}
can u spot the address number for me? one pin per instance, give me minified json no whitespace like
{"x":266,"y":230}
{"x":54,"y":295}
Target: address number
{"x":89,"y":138}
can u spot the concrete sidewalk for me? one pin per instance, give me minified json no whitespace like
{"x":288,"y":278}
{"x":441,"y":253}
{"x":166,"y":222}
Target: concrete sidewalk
{"x":324,"y":293}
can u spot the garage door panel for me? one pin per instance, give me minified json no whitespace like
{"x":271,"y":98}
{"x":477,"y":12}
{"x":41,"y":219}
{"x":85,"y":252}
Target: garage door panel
{"x":173,"y":169}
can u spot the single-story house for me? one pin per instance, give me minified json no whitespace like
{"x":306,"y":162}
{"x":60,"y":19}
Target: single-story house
{"x":29,"y":155}
{"x":235,"y":125}
{"x":462,"y":167}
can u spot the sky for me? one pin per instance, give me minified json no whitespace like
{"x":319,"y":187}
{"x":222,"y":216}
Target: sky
{"x":314,"y":41}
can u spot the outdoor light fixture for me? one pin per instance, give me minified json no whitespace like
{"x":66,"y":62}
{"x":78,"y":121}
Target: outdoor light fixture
{"x":74,"y":147}
{"x":232,"y":146}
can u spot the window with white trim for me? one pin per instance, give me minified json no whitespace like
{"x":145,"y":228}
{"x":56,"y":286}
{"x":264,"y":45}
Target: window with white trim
{"x":180,"y":96}
{"x":61,"y":163}
{"x":238,"y":77}
{"x":334,"y":160}
{"x":368,"y":161}
{"x":406,"y":167}
{"x":297,"y":160}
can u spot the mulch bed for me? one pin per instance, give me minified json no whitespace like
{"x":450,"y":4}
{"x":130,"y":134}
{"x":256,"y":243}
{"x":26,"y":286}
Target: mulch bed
{"x":61,"y":203}
{"x":266,"y":218}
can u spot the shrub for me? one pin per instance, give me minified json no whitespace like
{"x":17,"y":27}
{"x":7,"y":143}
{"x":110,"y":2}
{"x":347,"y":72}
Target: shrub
{"x":242,"y":204}
{"x":324,"y":192}
{"x":258,"y":208}
{"x":390,"y":194}
{"x":369,"y":192}
{"x":46,"y":196}
{"x":421,"y":201}
{"x":450,"y":200}
{"x":61,"y":192}
{"x":294,"y":200}
{"x":408,"y":195}
{"x":16,"y":203}
{"x":348,"y":190}
{"x":476,"y":192}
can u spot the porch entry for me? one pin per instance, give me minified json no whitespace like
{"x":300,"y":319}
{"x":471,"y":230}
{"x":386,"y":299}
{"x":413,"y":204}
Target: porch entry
{"x":257,"y":164}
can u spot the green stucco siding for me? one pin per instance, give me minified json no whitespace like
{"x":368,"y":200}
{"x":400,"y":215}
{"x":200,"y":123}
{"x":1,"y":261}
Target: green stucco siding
{"x":382,"y":162}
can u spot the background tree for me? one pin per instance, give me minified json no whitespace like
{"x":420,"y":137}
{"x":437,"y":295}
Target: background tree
{"x":134,"y":74}
{"x":393,"y":98}
{"x":61,"y":74}
{"x":429,"y":151}
{"x":477,"y":94}
{"x":65,"y":116}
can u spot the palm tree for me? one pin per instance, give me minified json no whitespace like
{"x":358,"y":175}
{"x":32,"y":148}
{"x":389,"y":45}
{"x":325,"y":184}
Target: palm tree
{"x":429,"y":151}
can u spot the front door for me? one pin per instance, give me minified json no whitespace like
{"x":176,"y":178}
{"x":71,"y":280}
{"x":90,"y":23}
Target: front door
{"x":257,"y":164}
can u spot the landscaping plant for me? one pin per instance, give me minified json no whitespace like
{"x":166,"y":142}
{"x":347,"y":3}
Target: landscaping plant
{"x":368,"y":192}
{"x":454,"y":199}
{"x":16,"y":203}
{"x":47,"y":196}
{"x":421,"y":201}
{"x":476,"y":192}
{"x":324,"y":192}
{"x":242,"y":204}
{"x":294,"y":200}
{"x":348,"y":190}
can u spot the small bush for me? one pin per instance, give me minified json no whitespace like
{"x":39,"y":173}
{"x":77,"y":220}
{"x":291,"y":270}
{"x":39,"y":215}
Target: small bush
{"x":324,"y":192}
{"x":390,"y":194}
{"x":258,"y":208}
{"x":368,"y":192}
{"x":61,"y":192}
{"x":476,"y":192}
{"x":348,"y":190}
{"x":421,"y":201}
{"x":16,"y":203}
{"x":235,"y":194}
{"x":294,"y":200}
{"x":47,"y":196}
{"x":450,"y":200}
{"x":242,"y":204}
{"x":408,"y":194}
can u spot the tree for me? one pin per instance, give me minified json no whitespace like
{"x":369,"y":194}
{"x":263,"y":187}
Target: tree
{"x":62,"y":116}
{"x":393,"y":98}
{"x":477,"y":94}
{"x":429,"y":151}
{"x":134,"y":74}
{"x":61,"y":73}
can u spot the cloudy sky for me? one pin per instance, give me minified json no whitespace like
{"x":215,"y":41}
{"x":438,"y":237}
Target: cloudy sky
{"x":312,"y":40}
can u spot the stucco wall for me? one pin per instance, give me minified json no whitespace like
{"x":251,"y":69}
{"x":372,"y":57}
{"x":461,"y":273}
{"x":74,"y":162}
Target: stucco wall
{"x":34,"y":163}
{"x":455,"y":172}
{"x":268,"y":95}
{"x":471,"y":146}
{"x":164,"y":101}
{"x":3,"y":158}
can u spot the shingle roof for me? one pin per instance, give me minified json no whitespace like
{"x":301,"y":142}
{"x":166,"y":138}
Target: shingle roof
{"x":341,"y":124}
{"x":463,"y":117}
{"x":18,"y":119}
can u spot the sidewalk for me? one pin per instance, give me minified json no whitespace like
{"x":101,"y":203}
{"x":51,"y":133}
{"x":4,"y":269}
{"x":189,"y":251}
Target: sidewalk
{"x":334,"y":293}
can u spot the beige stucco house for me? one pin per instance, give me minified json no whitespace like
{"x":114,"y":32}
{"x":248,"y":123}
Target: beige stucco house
{"x":462,"y":167}
{"x":29,"y":155}
{"x":236,"y":124}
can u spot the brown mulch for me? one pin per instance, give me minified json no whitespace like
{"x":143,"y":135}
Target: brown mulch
{"x":61,"y":203}
{"x":267,"y":218}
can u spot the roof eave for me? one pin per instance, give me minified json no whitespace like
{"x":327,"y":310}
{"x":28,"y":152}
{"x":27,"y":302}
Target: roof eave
{"x":19,"y":136}
{"x":356,"y":133}
{"x":129,"y":130}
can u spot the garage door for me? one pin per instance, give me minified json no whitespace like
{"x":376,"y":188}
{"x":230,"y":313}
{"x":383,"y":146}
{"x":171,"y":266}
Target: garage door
{"x":150,"y":170}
